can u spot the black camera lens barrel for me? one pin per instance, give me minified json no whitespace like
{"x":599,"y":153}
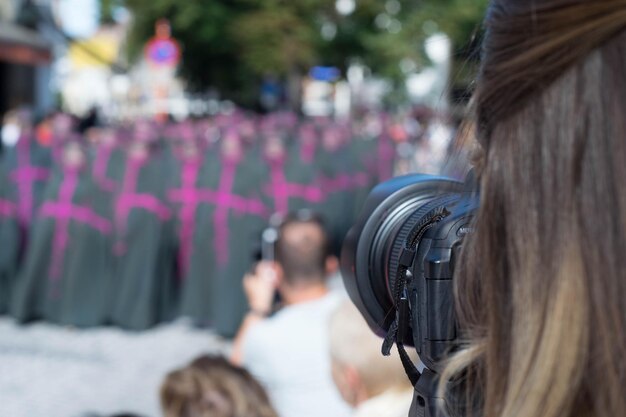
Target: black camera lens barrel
{"x":410,"y":230}
{"x":367,"y":246}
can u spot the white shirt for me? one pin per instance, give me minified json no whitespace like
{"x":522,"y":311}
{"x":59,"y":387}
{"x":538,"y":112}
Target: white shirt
{"x":289,"y":355}
{"x":391,"y":403}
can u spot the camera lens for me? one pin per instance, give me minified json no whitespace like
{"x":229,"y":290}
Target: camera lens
{"x":392,"y":216}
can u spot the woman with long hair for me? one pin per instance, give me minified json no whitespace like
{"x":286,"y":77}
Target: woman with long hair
{"x":542,"y":289}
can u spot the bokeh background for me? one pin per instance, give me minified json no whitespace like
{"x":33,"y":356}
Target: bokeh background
{"x":369,"y":82}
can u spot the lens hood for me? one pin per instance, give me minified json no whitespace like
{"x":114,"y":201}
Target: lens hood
{"x":367,"y":248}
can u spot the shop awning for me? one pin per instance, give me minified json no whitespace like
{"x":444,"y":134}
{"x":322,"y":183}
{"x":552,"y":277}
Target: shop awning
{"x":19,"y":45}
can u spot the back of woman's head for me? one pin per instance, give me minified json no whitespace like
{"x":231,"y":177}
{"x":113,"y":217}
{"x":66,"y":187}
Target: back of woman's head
{"x":542,"y":289}
{"x":211,"y":387}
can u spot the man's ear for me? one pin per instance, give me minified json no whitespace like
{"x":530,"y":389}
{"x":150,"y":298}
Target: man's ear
{"x":352,"y":378}
{"x":347,"y":381}
{"x":332,"y":265}
{"x":358,"y":393}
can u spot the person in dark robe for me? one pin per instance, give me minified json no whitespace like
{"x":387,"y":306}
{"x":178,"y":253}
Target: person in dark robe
{"x":291,"y":185}
{"x":28,"y":166}
{"x":10,"y":238}
{"x":386,"y":152}
{"x":65,"y":277}
{"x":339,"y":181}
{"x":230,"y":216}
{"x":108,"y":159}
{"x":189,"y":193}
{"x":306,"y":146}
{"x":207,"y":133}
{"x":248,"y":132}
{"x":144,"y":252}
{"x":362,"y":150}
{"x":63,"y":127}
{"x":187,"y":178}
{"x":26,"y":170}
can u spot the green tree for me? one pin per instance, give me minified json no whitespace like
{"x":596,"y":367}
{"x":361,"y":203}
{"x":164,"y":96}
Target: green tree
{"x":233,"y":44}
{"x":461,"y":20}
{"x":209,"y":55}
{"x":107,"y":10}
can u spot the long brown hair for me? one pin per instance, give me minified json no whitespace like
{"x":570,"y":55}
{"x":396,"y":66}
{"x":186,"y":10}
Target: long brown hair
{"x":542,"y":289}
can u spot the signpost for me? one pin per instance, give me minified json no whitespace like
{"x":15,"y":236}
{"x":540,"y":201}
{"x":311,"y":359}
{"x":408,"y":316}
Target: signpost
{"x":162,"y":53}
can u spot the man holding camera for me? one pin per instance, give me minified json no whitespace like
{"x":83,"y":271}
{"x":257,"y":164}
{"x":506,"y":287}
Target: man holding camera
{"x":288,"y":351}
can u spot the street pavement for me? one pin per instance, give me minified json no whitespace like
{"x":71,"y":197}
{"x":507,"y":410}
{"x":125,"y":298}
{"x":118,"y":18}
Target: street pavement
{"x":52,"y":371}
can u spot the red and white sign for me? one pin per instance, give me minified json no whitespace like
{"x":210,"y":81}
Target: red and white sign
{"x":162,"y":50}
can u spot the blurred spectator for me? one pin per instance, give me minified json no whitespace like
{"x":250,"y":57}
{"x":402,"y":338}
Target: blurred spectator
{"x":15,"y":125}
{"x":10,"y":129}
{"x":288,"y":351}
{"x":375,"y":385}
{"x":44,"y":133}
{"x":89,"y":121}
{"x":211,"y":387}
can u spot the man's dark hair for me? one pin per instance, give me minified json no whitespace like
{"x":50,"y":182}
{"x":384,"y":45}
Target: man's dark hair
{"x":302,"y":255}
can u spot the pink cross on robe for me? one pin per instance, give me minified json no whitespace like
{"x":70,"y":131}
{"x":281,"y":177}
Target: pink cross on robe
{"x":281,"y":190}
{"x":224,"y":200}
{"x":24,"y":176}
{"x":64,"y":211}
{"x":129,"y":199}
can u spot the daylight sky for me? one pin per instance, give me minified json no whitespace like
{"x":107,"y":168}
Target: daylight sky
{"x":79,"y":18}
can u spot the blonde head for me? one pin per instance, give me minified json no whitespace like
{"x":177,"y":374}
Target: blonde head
{"x":352,"y":344}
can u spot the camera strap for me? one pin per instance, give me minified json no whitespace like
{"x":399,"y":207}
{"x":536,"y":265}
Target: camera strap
{"x":401,"y":322}
{"x":396,"y":334}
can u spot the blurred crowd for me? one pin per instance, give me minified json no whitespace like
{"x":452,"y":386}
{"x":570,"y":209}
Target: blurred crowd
{"x":136,"y":223}
{"x":303,"y":349}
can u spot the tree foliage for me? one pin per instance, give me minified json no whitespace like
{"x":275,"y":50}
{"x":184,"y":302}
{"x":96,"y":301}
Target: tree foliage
{"x":232,"y":44}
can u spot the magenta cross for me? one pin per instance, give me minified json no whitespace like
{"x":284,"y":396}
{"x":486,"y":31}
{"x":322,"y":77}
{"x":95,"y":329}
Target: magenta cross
{"x":282,"y":191}
{"x":100,"y":168}
{"x":63,"y":210}
{"x":344,"y":182}
{"x":24,"y":176}
{"x":188,"y":199}
{"x":386,"y":153}
{"x":223,"y":199}
{"x":307,"y":151}
{"x":7,"y":208}
{"x":130,"y":199}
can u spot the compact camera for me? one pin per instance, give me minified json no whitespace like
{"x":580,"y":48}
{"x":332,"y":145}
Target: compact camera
{"x":398,"y":265}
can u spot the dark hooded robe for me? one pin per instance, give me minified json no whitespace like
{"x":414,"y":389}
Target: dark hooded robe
{"x":189,"y":193}
{"x":66,"y":276}
{"x":108,"y":160}
{"x":362,"y":150}
{"x":229,"y":219}
{"x":363,"y":154}
{"x":340,"y":182}
{"x":385,"y":158}
{"x":144,"y":282}
{"x":10,"y":238}
{"x":28,"y":166}
{"x":291,"y":184}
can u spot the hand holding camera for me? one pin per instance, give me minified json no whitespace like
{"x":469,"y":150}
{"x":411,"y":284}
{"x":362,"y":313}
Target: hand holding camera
{"x":260,"y":287}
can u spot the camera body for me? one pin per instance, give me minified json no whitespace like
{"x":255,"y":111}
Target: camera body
{"x":398,"y":266}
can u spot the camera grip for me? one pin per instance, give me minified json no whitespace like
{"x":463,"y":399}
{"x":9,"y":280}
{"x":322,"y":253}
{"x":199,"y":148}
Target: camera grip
{"x":425,"y":401}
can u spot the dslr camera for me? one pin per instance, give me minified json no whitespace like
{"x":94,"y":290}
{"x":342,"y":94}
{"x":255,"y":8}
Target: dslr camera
{"x":398,"y":265}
